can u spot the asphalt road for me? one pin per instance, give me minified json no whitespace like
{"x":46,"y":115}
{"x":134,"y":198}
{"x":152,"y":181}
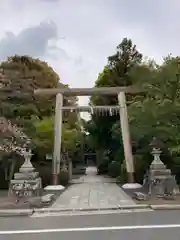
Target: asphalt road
{"x":159,"y":225}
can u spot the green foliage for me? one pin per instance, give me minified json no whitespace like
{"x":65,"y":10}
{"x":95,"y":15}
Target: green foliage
{"x":43,"y":137}
{"x":19,"y":76}
{"x":114,"y":169}
{"x":115,"y":73}
{"x":154,"y":112}
{"x":64,"y":178}
{"x":23,"y":74}
{"x":70,"y":138}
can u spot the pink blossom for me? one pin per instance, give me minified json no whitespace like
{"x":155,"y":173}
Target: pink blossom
{"x":13,"y":138}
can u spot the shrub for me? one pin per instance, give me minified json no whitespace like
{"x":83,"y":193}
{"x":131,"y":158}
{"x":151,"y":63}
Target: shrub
{"x":123,"y":173}
{"x":176,"y":168}
{"x":64,"y":178}
{"x":114,"y":169}
{"x":140,"y":167}
{"x":103,"y":167}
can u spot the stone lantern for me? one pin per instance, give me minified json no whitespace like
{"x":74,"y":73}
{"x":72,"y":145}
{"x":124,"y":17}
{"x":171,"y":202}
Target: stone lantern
{"x":156,"y":143}
{"x":156,"y":146}
{"x":27,"y":166}
{"x":159,"y":180}
{"x":26,"y":182}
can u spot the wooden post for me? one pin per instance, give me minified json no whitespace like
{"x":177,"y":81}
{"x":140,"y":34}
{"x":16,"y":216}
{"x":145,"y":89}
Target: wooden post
{"x":57,"y":139}
{"x":126,"y":137}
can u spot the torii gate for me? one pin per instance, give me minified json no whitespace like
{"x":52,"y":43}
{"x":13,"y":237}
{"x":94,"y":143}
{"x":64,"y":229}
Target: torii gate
{"x":120,"y":92}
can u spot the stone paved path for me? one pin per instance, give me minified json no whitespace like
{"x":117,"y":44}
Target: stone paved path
{"x":94,"y":192}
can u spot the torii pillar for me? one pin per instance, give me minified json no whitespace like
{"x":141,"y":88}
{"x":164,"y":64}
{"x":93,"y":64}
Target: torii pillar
{"x":57,"y":139}
{"x":126,"y":137}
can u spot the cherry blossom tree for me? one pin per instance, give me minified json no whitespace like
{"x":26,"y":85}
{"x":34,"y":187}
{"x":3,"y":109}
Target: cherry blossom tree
{"x":12,"y":138}
{"x":12,"y":142}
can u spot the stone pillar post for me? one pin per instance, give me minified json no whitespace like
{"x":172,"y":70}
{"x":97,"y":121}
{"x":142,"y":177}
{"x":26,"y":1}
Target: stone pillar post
{"x":126,"y":137}
{"x":57,"y":138}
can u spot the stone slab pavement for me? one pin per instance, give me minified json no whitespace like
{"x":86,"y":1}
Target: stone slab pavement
{"x":94,"y":192}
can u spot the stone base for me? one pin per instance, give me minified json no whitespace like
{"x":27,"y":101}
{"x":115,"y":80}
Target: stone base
{"x":162,"y":185}
{"x":160,"y":172}
{"x":54,"y":188}
{"x":170,"y":197}
{"x":131,"y":186}
{"x":28,"y":176}
{"x":25,"y":187}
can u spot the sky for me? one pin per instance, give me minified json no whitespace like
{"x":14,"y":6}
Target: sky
{"x":76,"y":36}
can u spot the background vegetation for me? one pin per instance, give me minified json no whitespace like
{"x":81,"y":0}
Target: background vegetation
{"x":153,"y":113}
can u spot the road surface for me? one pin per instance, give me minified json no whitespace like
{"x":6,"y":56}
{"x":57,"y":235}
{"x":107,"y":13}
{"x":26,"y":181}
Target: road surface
{"x":161,"y":225}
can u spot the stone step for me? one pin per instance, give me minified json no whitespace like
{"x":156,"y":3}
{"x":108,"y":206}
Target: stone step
{"x":140,"y":196}
{"x":47,"y":198}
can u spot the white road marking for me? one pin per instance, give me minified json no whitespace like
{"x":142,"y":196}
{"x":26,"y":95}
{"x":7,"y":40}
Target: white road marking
{"x":89,"y":229}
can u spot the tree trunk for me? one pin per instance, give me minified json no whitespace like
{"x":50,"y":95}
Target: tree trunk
{"x":11,"y":172}
{"x":99,"y":156}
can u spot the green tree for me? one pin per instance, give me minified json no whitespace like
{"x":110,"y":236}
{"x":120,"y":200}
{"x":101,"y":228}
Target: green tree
{"x":34,"y":115}
{"x":23,"y":74}
{"x":19,"y":76}
{"x":44,"y":136}
{"x":116,"y":73}
{"x":156,"y":113}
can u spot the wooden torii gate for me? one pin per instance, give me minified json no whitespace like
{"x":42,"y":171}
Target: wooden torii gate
{"x":120,"y":92}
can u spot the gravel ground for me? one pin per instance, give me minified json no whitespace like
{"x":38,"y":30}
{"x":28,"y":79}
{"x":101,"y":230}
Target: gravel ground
{"x":151,"y":200}
{"x":10,"y":202}
{"x":27,"y":203}
{"x":159,"y":201}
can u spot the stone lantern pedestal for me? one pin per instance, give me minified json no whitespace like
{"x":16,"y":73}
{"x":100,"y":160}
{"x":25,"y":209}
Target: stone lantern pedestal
{"x":26,"y":182}
{"x":159,"y":180}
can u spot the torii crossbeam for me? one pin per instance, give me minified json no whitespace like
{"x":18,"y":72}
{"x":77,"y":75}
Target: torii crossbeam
{"x":120,"y":92}
{"x":88,"y":91}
